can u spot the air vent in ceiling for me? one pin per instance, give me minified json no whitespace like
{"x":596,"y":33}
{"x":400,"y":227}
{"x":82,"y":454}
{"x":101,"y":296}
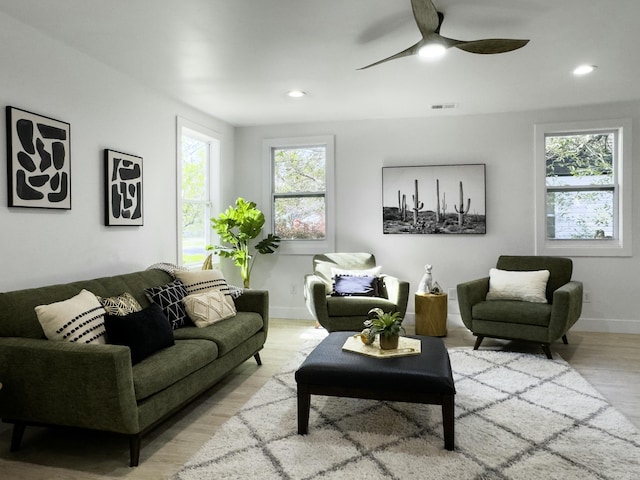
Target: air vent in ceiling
{"x":443,"y":106}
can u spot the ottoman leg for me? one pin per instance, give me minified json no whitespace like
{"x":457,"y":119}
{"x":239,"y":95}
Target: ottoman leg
{"x":304,"y":404}
{"x":448,"y":414}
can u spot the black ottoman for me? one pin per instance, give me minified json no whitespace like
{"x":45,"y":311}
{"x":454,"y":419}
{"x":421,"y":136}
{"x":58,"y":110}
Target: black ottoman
{"x":424,"y":378}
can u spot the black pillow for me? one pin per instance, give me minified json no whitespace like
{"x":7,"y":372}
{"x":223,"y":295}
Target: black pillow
{"x":144,"y":332}
{"x":357,"y":286}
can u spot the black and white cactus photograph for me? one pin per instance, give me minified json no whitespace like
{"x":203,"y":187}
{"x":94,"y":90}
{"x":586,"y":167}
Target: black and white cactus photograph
{"x":434,"y":199}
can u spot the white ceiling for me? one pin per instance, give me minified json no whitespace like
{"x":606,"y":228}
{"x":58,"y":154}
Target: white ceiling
{"x":236,"y":59}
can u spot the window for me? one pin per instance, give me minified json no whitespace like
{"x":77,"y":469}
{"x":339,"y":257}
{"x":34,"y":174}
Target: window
{"x":199,"y":190}
{"x":583,"y":189}
{"x":300,"y":190}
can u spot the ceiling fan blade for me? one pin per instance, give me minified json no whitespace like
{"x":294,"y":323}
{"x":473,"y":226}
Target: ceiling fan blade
{"x":490,"y":45}
{"x":426,"y":16}
{"x":409,"y":51}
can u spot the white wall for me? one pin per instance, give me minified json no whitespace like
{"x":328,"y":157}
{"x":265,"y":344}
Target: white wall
{"x":504,"y":142}
{"x":105,"y":110}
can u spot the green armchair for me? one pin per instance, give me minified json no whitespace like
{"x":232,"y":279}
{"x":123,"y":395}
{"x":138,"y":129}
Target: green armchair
{"x":542,"y":323}
{"x":337,"y":313}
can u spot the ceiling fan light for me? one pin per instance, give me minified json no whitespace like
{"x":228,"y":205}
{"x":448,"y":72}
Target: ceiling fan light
{"x":432,"y":50}
{"x":584,"y":69}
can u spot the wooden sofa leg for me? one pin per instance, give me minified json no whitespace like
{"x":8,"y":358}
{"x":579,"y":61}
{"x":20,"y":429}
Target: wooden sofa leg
{"x":564,"y":340}
{"x":546,"y":350}
{"x":16,"y":436}
{"x":134,"y":449}
{"x":258,"y":359}
{"x":479,"y":340}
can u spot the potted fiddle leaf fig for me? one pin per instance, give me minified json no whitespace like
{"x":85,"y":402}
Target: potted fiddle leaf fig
{"x":238,"y":226}
{"x":387,"y":325}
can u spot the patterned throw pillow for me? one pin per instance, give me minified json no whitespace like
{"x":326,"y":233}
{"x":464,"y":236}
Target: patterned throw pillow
{"x":200,"y":281}
{"x":355,"y":286}
{"x":121,"y":305}
{"x":79,"y":319}
{"x":169,"y":297}
{"x":209,"y":307}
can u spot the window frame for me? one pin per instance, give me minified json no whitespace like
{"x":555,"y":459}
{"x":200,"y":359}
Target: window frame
{"x":213,"y":184}
{"x":621,"y":243}
{"x":301,"y":247}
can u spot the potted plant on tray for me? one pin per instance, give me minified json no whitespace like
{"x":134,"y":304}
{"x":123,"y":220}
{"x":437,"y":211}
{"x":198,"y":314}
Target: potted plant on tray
{"x":387,"y":325}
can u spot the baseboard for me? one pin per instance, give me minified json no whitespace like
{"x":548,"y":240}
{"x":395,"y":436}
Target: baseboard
{"x":454,"y":320}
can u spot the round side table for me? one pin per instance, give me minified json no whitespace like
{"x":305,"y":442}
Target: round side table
{"x":431,"y":314}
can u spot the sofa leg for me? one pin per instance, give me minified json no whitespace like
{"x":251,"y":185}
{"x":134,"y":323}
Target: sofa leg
{"x":16,"y":436}
{"x":546,"y":350}
{"x":564,"y":340}
{"x":134,"y":449}
{"x":479,"y":340}
{"x":258,"y":359}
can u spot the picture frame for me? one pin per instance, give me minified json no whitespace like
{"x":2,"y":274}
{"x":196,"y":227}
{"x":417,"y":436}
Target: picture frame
{"x":434,"y":199}
{"x":123,"y":204}
{"x":38,"y":160}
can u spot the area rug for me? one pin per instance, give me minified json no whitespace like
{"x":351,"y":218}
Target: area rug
{"x":518,"y":416}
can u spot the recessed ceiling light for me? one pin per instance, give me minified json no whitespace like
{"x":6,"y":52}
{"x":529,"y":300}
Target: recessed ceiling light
{"x":584,"y":69}
{"x":432,"y":50}
{"x":296,"y":93}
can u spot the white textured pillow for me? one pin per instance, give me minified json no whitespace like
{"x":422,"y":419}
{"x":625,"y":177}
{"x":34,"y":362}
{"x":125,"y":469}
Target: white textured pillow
{"x":528,"y":286}
{"x":367,"y":272}
{"x":209,"y":307}
{"x":78,"y":319}
{"x":200,"y":281}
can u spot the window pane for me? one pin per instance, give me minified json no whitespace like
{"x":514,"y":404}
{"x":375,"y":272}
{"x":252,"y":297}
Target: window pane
{"x":194,"y":240}
{"x":300,"y":169}
{"x":580,"y":215}
{"x":579,"y":159}
{"x":194,"y":161}
{"x":300,"y":218}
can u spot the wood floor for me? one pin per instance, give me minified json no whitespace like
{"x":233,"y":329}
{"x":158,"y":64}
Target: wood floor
{"x":610,"y":362}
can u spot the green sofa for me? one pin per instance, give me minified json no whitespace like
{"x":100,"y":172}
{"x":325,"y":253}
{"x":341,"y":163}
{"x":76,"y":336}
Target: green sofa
{"x":92,"y":386}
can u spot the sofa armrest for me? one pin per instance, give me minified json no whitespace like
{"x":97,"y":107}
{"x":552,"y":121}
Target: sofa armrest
{"x":565,"y":309}
{"x":470,"y":293}
{"x":397,"y":291}
{"x":255,"y":301}
{"x":70,"y":384}
{"x":315,"y":297}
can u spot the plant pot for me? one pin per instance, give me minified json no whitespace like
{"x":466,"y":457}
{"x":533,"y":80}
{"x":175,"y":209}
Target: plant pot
{"x":389,"y":342}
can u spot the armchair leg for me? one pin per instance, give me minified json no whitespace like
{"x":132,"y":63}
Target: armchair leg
{"x":258,"y":359}
{"x":546,"y":350}
{"x":564,"y":340}
{"x":134,"y":449}
{"x":479,"y":340}
{"x":16,"y":436}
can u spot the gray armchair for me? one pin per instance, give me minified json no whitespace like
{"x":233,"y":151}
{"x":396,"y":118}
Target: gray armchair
{"x":349,"y":312}
{"x":542,"y":323}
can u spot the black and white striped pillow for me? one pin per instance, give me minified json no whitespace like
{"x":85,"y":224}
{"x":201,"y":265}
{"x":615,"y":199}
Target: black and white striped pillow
{"x":201,"y":281}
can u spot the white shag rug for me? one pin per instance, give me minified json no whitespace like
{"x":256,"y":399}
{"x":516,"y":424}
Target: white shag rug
{"x":518,"y":416}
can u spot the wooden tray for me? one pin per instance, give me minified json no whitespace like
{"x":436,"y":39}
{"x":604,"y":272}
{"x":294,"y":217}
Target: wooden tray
{"x":406,"y":347}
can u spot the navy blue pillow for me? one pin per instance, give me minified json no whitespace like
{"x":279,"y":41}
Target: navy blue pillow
{"x":355,"y":286}
{"x":144,"y":332}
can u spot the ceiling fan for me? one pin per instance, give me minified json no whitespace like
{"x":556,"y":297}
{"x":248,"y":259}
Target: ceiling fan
{"x":433,"y":44}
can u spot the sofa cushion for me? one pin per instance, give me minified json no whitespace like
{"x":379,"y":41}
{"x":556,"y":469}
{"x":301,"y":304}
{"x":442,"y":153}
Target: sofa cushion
{"x":513,"y":311}
{"x":357,"y":306}
{"x":174,"y":363}
{"x":77,"y":319}
{"x":144,"y":332}
{"x":169,"y":297}
{"x":209,"y":307}
{"x":528,"y":286}
{"x":355,"y":286}
{"x":122,"y":304}
{"x":227,"y":334}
